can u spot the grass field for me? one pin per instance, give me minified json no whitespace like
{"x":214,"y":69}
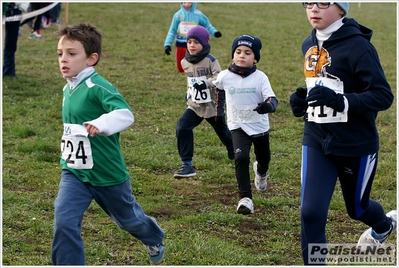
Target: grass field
{"x":198,"y":214}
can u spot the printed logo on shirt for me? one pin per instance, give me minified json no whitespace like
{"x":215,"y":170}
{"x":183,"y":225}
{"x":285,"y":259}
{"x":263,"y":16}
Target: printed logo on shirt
{"x":316,"y":62}
{"x":234,"y":90}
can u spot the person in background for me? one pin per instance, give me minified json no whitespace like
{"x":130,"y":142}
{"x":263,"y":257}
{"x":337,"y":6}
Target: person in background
{"x":249,"y":100}
{"x":201,"y":68}
{"x":51,"y":17}
{"x":35,"y":33}
{"x":55,"y":13}
{"x":345,"y":89}
{"x":94,"y":113}
{"x":183,"y":20}
{"x":12,"y":13}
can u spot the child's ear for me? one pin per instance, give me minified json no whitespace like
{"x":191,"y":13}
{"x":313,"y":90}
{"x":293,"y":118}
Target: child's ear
{"x":92,"y":60}
{"x":255,"y":61}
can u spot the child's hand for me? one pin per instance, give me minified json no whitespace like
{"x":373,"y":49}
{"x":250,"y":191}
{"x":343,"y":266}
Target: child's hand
{"x":218,"y":34}
{"x":298,"y":103}
{"x":326,"y":96}
{"x":92,"y":130}
{"x":263,"y":108}
{"x":200,"y":85}
{"x":168,"y":49}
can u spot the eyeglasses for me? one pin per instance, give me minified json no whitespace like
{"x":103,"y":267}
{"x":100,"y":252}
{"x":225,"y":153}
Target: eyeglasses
{"x":321,"y":5}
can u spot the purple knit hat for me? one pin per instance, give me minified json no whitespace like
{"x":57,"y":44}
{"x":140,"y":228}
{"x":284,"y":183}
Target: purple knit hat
{"x":200,"y":34}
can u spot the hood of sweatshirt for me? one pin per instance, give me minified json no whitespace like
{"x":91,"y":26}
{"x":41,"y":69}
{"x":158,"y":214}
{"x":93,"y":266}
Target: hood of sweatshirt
{"x":192,"y":9}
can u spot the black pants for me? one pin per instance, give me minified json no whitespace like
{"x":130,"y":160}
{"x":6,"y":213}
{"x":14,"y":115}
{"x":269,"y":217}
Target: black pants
{"x":319,"y":176}
{"x":38,"y":19}
{"x":242,"y":147}
{"x":185,"y":136}
{"x":10,"y":45}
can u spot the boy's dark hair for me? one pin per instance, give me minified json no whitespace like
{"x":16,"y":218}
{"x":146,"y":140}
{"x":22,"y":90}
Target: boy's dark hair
{"x":87,"y":34}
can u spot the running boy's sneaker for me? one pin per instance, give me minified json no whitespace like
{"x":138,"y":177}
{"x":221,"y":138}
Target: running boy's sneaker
{"x":370,"y":238}
{"x":260,"y":181}
{"x":245,"y":206}
{"x":185,"y":171}
{"x":35,"y":35}
{"x":156,"y":253}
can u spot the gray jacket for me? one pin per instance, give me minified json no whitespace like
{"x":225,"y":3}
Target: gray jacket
{"x":206,"y":70}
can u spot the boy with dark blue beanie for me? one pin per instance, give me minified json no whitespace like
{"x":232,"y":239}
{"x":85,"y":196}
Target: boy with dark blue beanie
{"x":249,"y":100}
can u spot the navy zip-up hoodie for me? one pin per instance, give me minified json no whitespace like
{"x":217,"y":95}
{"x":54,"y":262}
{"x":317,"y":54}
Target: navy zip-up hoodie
{"x":348,"y":56}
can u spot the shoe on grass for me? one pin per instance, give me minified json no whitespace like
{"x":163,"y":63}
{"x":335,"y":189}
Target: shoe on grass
{"x":371,"y":238}
{"x":156,"y":253}
{"x":245,"y":206}
{"x":185,"y":171}
{"x":35,"y":35}
{"x":260,"y":181}
{"x":46,"y":22}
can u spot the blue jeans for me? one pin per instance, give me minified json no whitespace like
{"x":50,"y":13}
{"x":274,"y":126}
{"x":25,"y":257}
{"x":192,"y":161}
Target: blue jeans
{"x":74,"y":198}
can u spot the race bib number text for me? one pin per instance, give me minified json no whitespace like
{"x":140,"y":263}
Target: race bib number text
{"x":76,"y":147}
{"x":243,"y":114}
{"x":185,"y":26}
{"x":324,"y":114}
{"x":198,"y":96}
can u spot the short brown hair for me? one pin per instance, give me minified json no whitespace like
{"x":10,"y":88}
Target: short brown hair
{"x":87,"y":34}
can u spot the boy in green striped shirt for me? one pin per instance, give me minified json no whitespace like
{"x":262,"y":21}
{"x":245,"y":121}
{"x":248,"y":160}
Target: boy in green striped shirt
{"x":93,"y":167}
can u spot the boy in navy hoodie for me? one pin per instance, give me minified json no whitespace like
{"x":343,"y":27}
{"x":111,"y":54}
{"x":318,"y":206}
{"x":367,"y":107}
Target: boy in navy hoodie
{"x":345,"y":89}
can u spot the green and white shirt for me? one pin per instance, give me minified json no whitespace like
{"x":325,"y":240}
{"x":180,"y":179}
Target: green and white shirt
{"x":90,"y":99}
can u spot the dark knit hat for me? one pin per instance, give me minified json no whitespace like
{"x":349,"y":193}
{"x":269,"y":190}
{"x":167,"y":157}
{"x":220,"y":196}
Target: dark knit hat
{"x":250,"y":41}
{"x":200,"y":34}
